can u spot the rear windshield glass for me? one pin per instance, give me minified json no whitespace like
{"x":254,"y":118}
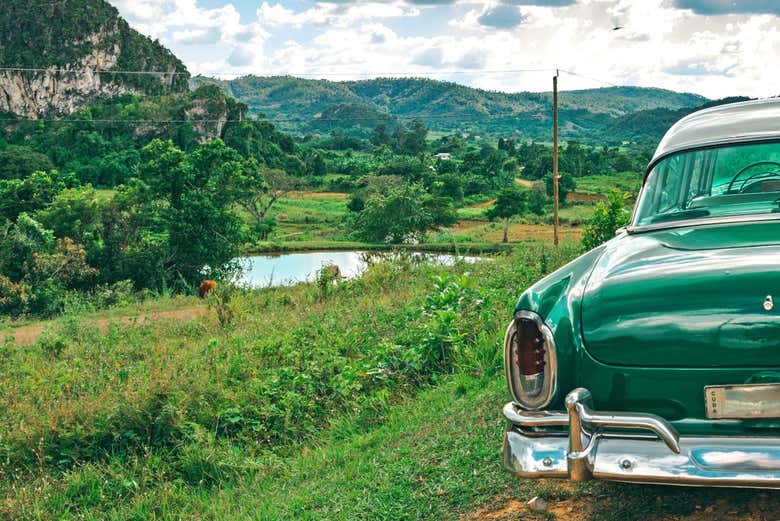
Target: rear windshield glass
{"x":725,"y":181}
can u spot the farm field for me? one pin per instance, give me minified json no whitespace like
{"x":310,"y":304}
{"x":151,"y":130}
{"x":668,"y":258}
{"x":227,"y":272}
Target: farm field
{"x":318,"y":220}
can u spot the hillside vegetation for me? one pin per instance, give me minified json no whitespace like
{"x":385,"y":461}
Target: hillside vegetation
{"x":448,"y":107}
{"x":67,"y":37}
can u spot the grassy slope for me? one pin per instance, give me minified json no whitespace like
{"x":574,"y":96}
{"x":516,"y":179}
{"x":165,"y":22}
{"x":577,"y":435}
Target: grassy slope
{"x":167,"y":417}
{"x":96,"y":422}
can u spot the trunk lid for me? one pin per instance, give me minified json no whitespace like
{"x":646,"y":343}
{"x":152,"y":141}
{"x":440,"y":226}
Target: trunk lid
{"x":687,"y":297}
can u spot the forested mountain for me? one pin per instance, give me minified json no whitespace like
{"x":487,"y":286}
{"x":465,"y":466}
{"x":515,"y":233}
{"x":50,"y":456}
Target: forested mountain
{"x":59,"y":56}
{"x":302,"y":105}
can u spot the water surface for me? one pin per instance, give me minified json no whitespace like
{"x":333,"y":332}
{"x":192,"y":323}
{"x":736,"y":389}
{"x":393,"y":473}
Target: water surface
{"x":291,"y":268}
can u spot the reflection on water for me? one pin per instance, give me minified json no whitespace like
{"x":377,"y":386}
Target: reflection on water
{"x":291,"y":268}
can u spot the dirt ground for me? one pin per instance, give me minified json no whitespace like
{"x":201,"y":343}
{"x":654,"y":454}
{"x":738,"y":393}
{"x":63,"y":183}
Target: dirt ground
{"x":645,"y":503}
{"x":524,"y":232}
{"x":513,"y":509}
{"x":28,"y":335}
{"x":584,"y":197}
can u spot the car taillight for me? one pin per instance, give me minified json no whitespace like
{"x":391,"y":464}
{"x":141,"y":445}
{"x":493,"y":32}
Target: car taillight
{"x":530,"y":360}
{"x":530,"y":347}
{"x":529,"y":356}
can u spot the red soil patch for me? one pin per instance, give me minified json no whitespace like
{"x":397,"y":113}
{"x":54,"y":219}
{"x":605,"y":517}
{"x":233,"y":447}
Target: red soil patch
{"x":523,"y":182}
{"x":465,"y":225}
{"x":584,"y":197}
{"x":543,"y":232}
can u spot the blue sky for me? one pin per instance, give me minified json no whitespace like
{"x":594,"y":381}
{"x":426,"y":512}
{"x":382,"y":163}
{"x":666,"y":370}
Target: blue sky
{"x":712,"y":47}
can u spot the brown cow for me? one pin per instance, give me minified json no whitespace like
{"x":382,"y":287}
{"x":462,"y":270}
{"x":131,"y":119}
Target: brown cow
{"x":206,"y":287}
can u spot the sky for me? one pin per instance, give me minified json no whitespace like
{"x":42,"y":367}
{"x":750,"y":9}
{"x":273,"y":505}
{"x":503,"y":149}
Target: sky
{"x":716,"y":48}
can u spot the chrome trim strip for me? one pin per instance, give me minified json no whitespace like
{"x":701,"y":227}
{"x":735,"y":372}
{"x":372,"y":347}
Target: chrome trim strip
{"x":590,"y":452}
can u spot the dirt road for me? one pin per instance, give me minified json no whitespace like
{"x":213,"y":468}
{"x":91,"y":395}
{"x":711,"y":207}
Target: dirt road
{"x":27,"y":335}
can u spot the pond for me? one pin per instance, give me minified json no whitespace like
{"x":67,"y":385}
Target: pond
{"x":286,"y":269}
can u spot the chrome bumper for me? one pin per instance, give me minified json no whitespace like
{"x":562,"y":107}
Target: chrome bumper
{"x":648,"y":451}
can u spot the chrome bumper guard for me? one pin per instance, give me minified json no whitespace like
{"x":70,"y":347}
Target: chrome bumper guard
{"x":648,"y":451}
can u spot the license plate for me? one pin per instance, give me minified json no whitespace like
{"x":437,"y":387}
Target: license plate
{"x":742,"y":401}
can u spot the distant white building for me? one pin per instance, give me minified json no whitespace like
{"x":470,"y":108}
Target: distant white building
{"x":444,"y":156}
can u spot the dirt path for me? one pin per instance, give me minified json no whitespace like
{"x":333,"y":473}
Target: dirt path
{"x":524,"y":182}
{"x":27,"y":335}
{"x":483,"y":205}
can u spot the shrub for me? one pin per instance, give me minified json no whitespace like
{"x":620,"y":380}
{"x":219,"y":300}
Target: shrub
{"x":609,"y":215}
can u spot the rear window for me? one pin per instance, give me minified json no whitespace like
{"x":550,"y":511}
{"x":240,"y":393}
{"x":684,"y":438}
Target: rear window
{"x":717,"y":182}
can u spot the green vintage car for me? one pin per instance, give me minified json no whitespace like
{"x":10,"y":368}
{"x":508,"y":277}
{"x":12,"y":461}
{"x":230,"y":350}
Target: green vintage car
{"x":655,"y":357}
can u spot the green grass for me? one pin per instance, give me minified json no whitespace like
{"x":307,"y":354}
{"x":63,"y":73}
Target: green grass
{"x":602,"y":184}
{"x":574,"y":213}
{"x":471,"y":213}
{"x":103,"y":423}
{"x":310,"y":218}
{"x":314,"y":403}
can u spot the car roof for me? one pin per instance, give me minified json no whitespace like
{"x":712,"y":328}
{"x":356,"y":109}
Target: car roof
{"x":734,"y":122}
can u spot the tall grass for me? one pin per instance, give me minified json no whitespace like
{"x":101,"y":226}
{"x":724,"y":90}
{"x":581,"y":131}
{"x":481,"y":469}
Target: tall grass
{"x":89,"y":418}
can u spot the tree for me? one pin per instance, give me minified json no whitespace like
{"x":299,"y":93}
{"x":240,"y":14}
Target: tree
{"x":74,"y":213}
{"x":20,"y":244}
{"x":17,"y":162}
{"x":189,"y":220}
{"x":318,"y":166}
{"x":566,"y":184}
{"x":404,"y":214}
{"x":537,"y":199}
{"x":380,"y":136}
{"x":449,"y":185}
{"x":31,"y":193}
{"x":411,"y":140}
{"x":509,"y":203}
{"x":609,"y":215}
{"x":260,"y":191}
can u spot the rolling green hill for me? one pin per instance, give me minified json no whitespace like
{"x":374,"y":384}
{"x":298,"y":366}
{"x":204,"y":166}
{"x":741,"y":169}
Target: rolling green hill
{"x":298,"y":103}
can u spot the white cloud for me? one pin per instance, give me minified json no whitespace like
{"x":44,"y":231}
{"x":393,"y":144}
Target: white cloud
{"x":657,"y":44}
{"x":329,"y":15}
{"x":198,"y":36}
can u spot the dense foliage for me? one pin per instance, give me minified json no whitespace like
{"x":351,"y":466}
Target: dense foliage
{"x":609,"y":215}
{"x":101,"y":143}
{"x":174,"y":223}
{"x":404,"y":214}
{"x":586,"y":115}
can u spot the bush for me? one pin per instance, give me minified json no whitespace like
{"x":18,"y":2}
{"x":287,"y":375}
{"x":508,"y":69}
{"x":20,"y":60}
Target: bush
{"x":608,"y":216}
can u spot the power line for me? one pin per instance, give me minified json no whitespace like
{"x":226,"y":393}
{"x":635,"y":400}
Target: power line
{"x":591,"y":78}
{"x":270,"y":120}
{"x":93,"y":71}
{"x":325,"y":75}
{"x":245,"y":73}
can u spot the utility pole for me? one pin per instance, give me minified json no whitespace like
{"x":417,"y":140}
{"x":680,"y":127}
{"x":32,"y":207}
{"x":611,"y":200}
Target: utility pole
{"x":555,"y":156}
